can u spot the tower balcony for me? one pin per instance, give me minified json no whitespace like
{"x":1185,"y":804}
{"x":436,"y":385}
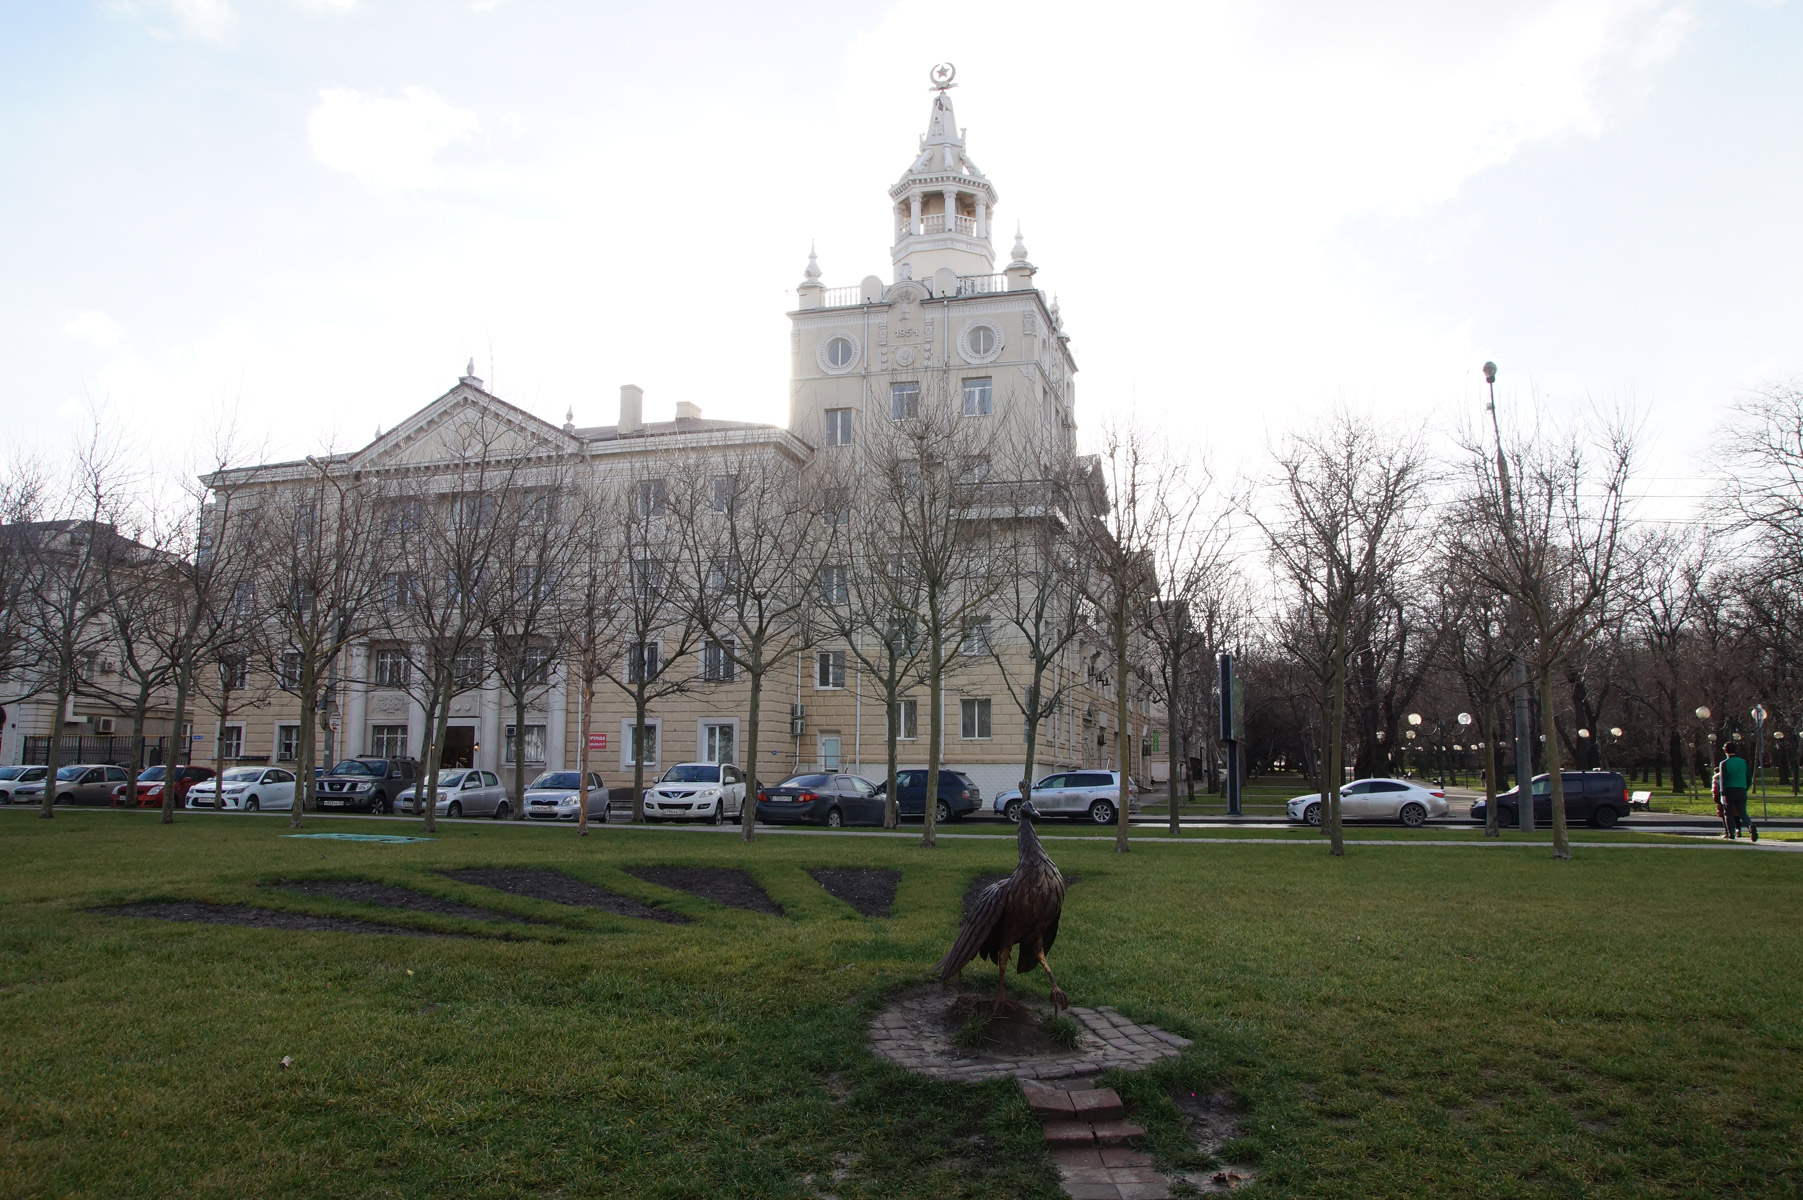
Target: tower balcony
{"x":935,"y":223}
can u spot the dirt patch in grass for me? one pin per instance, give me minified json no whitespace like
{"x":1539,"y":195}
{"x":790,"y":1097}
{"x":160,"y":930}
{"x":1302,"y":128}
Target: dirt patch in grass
{"x":259,"y":918}
{"x":1016,"y":1031}
{"x":867,"y":889}
{"x":558,"y":888}
{"x":388,"y":895}
{"x":731,"y":886}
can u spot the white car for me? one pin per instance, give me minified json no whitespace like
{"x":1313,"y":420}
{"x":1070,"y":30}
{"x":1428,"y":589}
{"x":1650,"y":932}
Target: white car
{"x":557,"y":796}
{"x":12,"y":778}
{"x":697,"y":792}
{"x":1374,"y":800}
{"x":249,"y":789}
{"x":1080,"y":795}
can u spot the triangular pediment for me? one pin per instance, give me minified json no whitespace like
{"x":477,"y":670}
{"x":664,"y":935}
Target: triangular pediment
{"x":463,"y":424}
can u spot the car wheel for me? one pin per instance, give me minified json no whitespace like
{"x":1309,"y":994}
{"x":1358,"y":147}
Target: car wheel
{"x":65,"y":798}
{"x":942,"y":812}
{"x":252,"y":804}
{"x":1605,"y":818}
{"x":456,"y":809}
{"x":1011,"y":810}
{"x":713,"y":818}
{"x":378,"y":804}
{"x":1312,"y":814}
{"x":502,"y":810}
{"x":1101,"y":813}
{"x":1413,"y":815}
{"x":835,"y":819}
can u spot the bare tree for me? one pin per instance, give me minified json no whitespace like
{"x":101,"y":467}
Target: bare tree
{"x":589,"y":618}
{"x":1348,"y":494}
{"x":753,"y":536}
{"x":1548,"y":539}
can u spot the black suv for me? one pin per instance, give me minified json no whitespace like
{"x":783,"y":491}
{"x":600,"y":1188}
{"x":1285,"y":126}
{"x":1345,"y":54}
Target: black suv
{"x":957,"y":795}
{"x":365,"y":784}
{"x":1599,"y":798}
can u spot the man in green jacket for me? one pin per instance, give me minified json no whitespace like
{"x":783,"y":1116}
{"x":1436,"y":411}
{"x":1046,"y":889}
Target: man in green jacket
{"x":1736,"y":776}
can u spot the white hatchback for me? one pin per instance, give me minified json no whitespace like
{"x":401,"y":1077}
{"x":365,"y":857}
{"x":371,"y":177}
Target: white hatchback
{"x":697,"y":792}
{"x":1375,"y":800}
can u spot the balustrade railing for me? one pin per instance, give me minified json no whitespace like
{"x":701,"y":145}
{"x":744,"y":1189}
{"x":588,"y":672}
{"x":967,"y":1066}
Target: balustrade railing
{"x":843,"y":297}
{"x":981,"y":285}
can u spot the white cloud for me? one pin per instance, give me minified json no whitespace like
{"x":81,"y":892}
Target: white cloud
{"x":209,"y":20}
{"x":96,"y":327}
{"x":387,"y":141}
{"x":336,"y":5}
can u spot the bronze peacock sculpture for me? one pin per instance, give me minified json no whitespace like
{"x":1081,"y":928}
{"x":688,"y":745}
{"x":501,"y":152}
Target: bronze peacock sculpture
{"x":1021,"y":910}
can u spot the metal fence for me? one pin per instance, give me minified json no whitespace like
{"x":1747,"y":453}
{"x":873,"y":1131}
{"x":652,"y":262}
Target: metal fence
{"x":132,"y":753}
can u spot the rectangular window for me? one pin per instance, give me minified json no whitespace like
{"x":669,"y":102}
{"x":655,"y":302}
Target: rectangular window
{"x":979,"y":397}
{"x":288,"y":670}
{"x":231,"y":741}
{"x":726,"y":493}
{"x":907,"y":720}
{"x":836,"y":508}
{"x":722,"y":574}
{"x":234,"y":676}
{"x":976,"y":637}
{"x":642,"y":662}
{"x":401,"y":516}
{"x":719,"y":742}
{"x":974,"y":718}
{"x":287,"y":743}
{"x":653,"y":498}
{"x":838,"y":426}
{"x":467,"y":669}
{"x":829,"y":669}
{"x":647,"y":579}
{"x":535,"y":745}
{"x":904,"y":401}
{"x":392,"y":668}
{"x":472,"y":512}
{"x":539,"y":509}
{"x":716,"y":664}
{"x":903,"y":635}
{"x":388,"y":741}
{"x":463,"y":585}
{"x":399,"y":590}
{"x":532,"y":584}
{"x":835,"y":584}
{"x":974,"y":469}
{"x":639,"y":743}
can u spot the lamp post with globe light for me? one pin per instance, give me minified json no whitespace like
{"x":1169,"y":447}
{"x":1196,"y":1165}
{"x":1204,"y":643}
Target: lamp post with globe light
{"x":1759,"y":715}
{"x":1702,"y":715}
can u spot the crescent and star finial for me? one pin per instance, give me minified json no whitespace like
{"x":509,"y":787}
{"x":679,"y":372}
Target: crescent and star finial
{"x":942,"y":76}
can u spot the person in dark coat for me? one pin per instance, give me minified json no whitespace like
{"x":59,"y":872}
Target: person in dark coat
{"x":1736,"y":777}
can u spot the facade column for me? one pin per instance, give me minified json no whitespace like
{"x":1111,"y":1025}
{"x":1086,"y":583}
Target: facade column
{"x":557,"y":701}
{"x":488,"y":728}
{"x":951,"y":210}
{"x":982,"y":217}
{"x":354,"y":736}
{"x":416,"y":716}
{"x":914,"y":214}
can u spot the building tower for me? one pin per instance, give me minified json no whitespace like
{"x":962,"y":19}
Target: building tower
{"x":943,"y":204}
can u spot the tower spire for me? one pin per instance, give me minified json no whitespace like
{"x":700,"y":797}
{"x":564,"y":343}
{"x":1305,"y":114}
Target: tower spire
{"x":943,"y":202}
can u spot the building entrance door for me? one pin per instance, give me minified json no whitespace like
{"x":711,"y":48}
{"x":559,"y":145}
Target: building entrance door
{"x":459,"y":746}
{"x":829,"y":753}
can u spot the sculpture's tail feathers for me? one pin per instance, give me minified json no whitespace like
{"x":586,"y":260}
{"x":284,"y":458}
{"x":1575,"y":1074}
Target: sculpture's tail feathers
{"x":978,"y":924}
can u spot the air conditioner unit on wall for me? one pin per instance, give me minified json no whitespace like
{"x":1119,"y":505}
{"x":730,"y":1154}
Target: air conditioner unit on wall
{"x":104,"y":724}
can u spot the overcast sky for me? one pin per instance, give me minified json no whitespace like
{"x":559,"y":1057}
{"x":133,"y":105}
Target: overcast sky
{"x":315,"y":211}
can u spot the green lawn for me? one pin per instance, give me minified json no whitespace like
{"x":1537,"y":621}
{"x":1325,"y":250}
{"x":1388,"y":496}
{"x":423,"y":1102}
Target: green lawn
{"x":1404,"y":1022}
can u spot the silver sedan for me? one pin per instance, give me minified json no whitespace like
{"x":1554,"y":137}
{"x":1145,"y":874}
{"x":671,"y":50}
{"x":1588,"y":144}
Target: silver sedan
{"x":462,"y":792}
{"x":557,"y":796}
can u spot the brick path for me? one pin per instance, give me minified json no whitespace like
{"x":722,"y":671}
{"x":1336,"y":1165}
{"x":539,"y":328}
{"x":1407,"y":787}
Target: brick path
{"x":1113,"y":1043}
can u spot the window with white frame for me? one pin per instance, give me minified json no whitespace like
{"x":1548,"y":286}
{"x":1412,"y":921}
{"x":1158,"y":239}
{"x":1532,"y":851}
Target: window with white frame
{"x":234,"y":674}
{"x":979,"y":396}
{"x":725,"y":493}
{"x":467,"y":668}
{"x":639,"y":744}
{"x":835,"y":508}
{"x":835,"y":584}
{"x":907,"y":720}
{"x":288,"y":670}
{"x":534,"y":743}
{"x":829,"y":669}
{"x":716,"y":663}
{"x":838,"y":426}
{"x":642,"y":662}
{"x":722,"y":574}
{"x":904,"y":401}
{"x":231,"y":741}
{"x":392,"y":667}
{"x":287,"y":743}
{"x":388,"y":741}
{"x":653,"y":498}
{"x":973,"y":719}
{"x":539,"y":508}
{"x":719,"y":741}
{"x":647,"y":579}
{"x":976,"y":637}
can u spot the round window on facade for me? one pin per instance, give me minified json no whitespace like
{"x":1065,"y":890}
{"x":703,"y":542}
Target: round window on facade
{"x":980,"y":342}
{"x":839,"y":352}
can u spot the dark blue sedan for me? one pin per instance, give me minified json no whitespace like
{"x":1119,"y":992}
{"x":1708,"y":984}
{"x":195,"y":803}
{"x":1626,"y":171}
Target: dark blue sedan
{"x":820,"y":799}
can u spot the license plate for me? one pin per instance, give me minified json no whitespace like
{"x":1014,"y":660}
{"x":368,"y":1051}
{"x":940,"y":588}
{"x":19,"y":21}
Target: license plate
{"x":330,"y":803}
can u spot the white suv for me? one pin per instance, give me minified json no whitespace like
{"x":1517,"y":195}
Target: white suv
{"x":1079,"y":795}
{"x":697,"y":791}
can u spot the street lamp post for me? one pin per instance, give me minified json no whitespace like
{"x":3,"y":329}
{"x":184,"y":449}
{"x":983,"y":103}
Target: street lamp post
{"x":1759,"y":714}
{"x":1524,"y":746}
{"x":1615,"y":735}
{"x":1702,"y":715}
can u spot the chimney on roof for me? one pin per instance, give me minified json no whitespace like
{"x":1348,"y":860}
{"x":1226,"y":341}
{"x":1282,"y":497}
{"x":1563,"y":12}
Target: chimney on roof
{"x":632,"y":409}
{"x":688,"y":410}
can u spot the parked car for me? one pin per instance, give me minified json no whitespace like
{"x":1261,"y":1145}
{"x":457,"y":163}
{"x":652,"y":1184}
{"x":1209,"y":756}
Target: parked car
{"x":249,"y":789}
{"x":1079,"y":795}
{"x":1373,"y":800}
{"x":821,"y":799}
{"x":366,"y":784}
{"x":1598,"y":798}
{"x":462,"y":792}
{"x":147,"y":792}
{"x":957,"y":795}
{"x":697,"y":791}
{"x":557,"y":796}
{"x":15,"y":777}
{"x":79,"y":783}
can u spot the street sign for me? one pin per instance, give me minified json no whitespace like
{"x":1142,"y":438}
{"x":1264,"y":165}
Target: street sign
{"x":597,"y":741}
{"x":200,"y":737}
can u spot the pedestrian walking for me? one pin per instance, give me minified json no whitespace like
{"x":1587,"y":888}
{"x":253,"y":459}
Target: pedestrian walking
{"x":1736,"y":776}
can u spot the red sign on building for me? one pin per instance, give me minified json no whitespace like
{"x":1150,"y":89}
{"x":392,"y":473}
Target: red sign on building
{"x":597,"y":741}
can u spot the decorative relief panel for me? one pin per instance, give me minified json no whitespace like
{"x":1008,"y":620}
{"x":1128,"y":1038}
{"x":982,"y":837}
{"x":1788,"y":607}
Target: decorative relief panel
{"x":388,"y":705}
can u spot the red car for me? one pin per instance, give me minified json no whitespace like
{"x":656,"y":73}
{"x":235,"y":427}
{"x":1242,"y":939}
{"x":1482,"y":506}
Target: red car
{"x":149,"y":787}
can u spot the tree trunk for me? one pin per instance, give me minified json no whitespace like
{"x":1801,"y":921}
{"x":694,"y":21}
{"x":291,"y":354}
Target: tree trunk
{"x":891,"y":806}
{"x":1336,"y":842}
{"x":140,"y":716}
{"x":519,"y":754}
{"x":748,"y":815}
{"x":1492,"y":821}
{"x":935,"y":736}
{"x":1676,"y":748}
{"x":1026,"y":770}
{"x":306,"y":777}
{"x":587,"y":723}
{"x":1170,"y":758}
{"x":1554,"y":775}
{"x":638,"y":753}
{"x":53,"y":754}
{"x":1123,"y":748}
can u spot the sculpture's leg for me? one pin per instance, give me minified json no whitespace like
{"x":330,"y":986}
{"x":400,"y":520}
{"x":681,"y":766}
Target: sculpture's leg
{"x":1059,"y":1000}
{"x":1001,"y":991}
